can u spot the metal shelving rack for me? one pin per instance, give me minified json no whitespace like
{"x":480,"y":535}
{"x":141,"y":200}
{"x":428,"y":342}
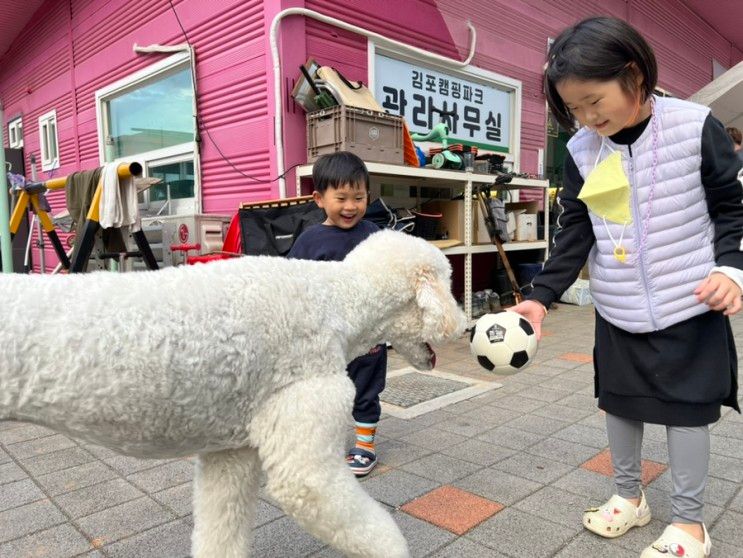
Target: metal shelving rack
{"x":431,"y":178}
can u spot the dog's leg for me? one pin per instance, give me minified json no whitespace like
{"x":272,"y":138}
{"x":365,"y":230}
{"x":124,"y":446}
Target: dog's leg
{"x":300,"y":434}
{"x":224,"y":503}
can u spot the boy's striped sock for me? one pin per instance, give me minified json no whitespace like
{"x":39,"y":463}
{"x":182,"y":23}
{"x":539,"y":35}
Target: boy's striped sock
{"x":365,"y":432}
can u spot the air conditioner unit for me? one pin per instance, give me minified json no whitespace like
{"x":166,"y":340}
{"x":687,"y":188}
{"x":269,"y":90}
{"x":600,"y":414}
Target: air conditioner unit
{"x":165,"y":231}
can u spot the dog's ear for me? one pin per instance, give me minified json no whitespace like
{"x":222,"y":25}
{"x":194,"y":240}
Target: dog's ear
{"x":439,"y":320}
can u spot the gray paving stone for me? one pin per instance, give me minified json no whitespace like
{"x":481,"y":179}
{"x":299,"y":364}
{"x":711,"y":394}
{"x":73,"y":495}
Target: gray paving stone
{"x":27,"y":519}
{"x":10,"y":424}
{"x":433,"y":417}
{"x":395,"y":428}
{"x":595,"y":419}
{"x":492,"y":416}
{"x":462,"y":407}
{"x":561,"y":363}
{"x":433,"y":438}
{"x":56,"y":461}
{"x":729,"y":429}
{"x":24,"y":433}
{"x":726,"y":468}
{"x":19,"y":493}
{"x":62,"y":541}
{"x":558,"y":506}
{"x":465,"y":548}
{"x":124,"y":520}
{"x":594,"y":485}
{"x":398,"y":487}
{"x":266,"y":512}
{"x":177,"y":498}
{"x":479,"y":452}
{"x":737,"y":503}
{"x":506,"y":530}
{"x":585,"y":435}
{"x":587,"y":545}
{"x":422,"y":537}
{"x":638,"y":538}
{"x":126,"y":465}
{"x":511,"y":437}
{"x":722,"y":445}
{"x":544,"y":393}
{"x":464,"y":425}
{"x":99,"y":451}
{"x":163,"y":476}
{"x":441,"y":468}
{"x":537,"y":424}
{"x":579,"y":401}
{"x":563,"y":451}
{"x":561,"y":412}
{"x":75,"y":478}
{"x":518,"y":403}
{"x":4,"y":457}
{"x":655,"y":451}
{"x":727,"y":528}
{"x":394,"y":453}
{"x":498,"y":486}
{"x":98,"y":497}
{"x":283,"y":538}
{"x":172,"y":540}
{"x":533,"y":467}
{"x":567,"y":383}
{"x":10,"y":472}
{"x":39,"y":446}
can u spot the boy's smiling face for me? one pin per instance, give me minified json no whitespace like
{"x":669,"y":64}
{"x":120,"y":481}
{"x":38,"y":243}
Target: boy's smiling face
{"x":344,"y":206}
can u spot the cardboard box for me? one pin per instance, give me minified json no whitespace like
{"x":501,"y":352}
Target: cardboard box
{"x":522,"y":220}
{"x":526,"y":227}
{"x":452,"y":218}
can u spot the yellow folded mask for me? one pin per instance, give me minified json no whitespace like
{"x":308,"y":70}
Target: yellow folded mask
{"x":606,"y":190}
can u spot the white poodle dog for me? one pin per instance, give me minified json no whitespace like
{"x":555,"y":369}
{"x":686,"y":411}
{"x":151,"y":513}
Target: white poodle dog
{"x":242,"y":362}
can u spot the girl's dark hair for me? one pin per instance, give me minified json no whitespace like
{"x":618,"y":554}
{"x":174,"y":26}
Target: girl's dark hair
{"x":603,"y":49}
{"x":336,"y":169}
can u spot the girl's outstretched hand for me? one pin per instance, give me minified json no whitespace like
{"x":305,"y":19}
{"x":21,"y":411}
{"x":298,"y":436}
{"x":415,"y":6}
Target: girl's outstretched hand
{"x":720,"y":293}
{"x":534,"y":312}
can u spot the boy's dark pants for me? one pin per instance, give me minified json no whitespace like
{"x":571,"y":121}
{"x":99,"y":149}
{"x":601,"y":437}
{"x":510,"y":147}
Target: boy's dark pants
{"x":368,"y":373}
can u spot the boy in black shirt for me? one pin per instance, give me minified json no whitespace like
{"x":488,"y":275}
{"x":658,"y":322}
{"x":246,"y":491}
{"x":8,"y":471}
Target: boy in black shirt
{"x":342,"y":190}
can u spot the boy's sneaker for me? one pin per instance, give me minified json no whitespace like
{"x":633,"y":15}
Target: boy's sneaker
{"x":360,"y":461}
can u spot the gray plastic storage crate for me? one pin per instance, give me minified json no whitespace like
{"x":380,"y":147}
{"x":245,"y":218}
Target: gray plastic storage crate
{"x":373,"y":136}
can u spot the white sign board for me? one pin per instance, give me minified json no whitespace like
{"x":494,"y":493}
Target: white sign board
{"x":481,"y":112}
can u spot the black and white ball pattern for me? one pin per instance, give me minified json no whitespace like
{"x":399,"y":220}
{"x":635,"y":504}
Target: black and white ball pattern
{"x":503,"y":343}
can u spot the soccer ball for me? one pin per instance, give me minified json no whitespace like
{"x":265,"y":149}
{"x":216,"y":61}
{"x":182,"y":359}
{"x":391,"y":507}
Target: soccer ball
{"x":503,"y":343}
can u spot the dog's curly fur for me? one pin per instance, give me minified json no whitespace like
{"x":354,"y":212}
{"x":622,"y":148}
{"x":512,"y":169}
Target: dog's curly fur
{"x":242,"y":362}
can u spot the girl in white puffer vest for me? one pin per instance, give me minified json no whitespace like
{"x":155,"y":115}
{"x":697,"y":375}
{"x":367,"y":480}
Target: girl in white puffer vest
{"x":652,"y":199}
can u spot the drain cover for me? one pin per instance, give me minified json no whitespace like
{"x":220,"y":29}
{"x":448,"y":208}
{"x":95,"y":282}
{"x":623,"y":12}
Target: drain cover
{"x":413,"y":388}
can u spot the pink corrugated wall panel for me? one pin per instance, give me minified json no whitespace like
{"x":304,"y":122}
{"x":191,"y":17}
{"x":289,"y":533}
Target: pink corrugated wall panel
{"x":59,"y":61}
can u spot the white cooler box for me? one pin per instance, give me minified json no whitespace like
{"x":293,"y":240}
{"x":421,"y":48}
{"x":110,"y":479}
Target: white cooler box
{"x":164,"y":231}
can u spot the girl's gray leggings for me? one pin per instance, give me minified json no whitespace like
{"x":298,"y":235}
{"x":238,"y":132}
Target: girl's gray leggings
{"x":688,"y":452}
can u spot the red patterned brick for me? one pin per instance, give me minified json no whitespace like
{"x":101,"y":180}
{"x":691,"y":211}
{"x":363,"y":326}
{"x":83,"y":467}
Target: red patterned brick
{"x":452,"y":509}
{"x":576,"y":357}
{"x":601,"y":463}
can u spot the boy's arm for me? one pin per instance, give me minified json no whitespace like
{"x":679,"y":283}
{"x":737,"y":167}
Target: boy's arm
{"x":573,"y":241}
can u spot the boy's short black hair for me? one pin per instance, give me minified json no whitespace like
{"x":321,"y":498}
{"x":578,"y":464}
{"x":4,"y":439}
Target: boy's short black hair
{"x":336,"y":169}
{"x":602,"y":49}
{"x":735,"y":135}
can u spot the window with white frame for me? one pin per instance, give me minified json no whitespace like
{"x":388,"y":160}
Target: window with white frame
{"x":48,"y":141}
{"x":148,"y":117}
{"x":15,"y":133}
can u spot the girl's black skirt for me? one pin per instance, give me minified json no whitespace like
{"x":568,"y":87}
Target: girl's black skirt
{"x":679,"y":376}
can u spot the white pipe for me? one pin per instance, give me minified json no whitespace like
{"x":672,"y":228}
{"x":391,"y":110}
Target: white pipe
{"x":184,"y":47}
{"x":278,"y":107}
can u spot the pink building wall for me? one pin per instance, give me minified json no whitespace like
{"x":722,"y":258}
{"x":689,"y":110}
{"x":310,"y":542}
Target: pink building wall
{"x":71,"y":48}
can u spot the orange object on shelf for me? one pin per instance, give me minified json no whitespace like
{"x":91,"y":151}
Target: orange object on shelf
{"x":409,"y":155}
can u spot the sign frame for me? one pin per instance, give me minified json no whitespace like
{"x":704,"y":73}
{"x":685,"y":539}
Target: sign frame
{"x":469,"y":73}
